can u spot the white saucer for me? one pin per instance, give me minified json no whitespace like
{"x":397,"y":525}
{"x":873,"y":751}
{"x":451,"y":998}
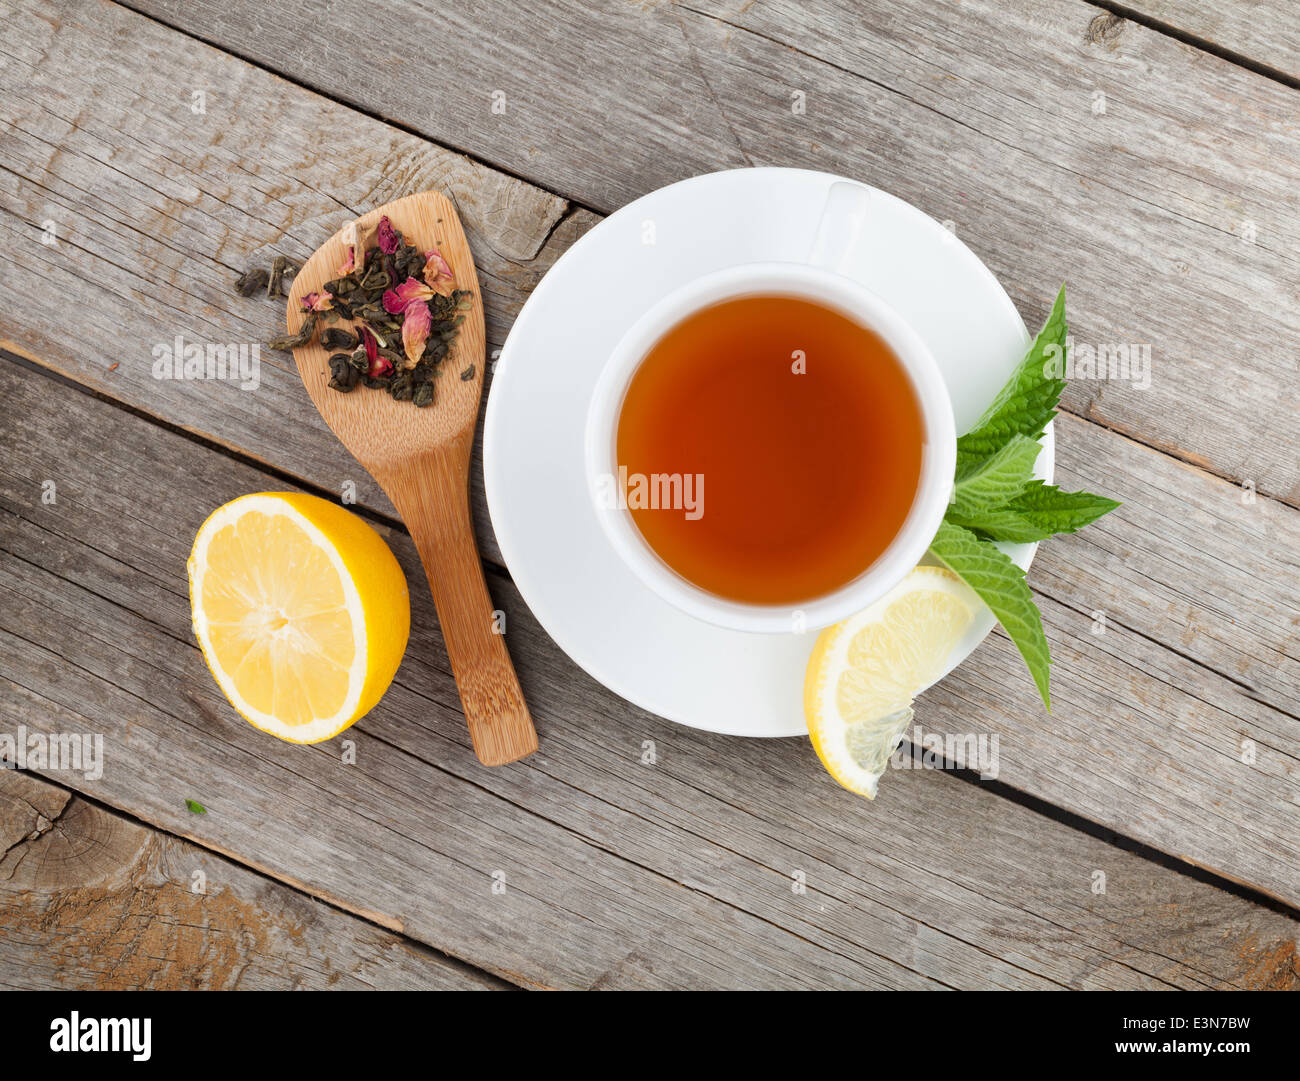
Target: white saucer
{"x":594,"y":607}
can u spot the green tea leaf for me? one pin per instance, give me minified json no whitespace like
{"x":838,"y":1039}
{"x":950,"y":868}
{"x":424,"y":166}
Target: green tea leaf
{"x":1001,"y":585}
{"x":1027,"y":401}
{"x":1040,"y":511}
{"x":195,"y":807}
{"x":995,"y":480}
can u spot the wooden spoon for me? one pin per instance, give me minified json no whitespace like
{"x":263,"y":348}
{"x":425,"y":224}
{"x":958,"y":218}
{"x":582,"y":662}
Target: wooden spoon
{"x":420,"y":457}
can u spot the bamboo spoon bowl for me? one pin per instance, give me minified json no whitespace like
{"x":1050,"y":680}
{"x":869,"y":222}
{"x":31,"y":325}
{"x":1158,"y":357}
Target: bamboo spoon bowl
{"x":420,"y":458}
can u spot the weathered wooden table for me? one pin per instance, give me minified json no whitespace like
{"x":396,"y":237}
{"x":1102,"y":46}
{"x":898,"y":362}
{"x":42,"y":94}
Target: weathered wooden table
{"x":1145,"y":834}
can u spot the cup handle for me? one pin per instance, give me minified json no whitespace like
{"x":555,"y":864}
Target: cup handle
{"x":837,"y":245}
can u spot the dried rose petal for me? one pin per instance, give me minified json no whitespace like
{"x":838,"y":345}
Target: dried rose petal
{"x":438,"y":273}
{"x":415,"y":329}
{"x":378,"y":365}
{"x":372,"y":346}
{"x":388,"y":242}
{"x":318,"y":302}
{"x":396,"y":300}
{"x":346,"y":266}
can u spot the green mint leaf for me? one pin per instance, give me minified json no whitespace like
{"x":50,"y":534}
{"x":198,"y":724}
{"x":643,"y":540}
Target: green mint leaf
{"x":1040,"y":511}
{"x":195,"y":807}
{"x":995,"y":480}
{"x":1001,"y":585}
{"x":1026,"y":403}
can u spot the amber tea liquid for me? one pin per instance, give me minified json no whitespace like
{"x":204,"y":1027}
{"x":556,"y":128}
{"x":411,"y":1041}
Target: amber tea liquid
{"x":806,"y":435}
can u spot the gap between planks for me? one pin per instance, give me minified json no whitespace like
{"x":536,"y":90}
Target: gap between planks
{"x":1160,"y":26}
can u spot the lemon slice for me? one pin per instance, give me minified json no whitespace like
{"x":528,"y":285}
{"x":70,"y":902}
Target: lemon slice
{"x":301,"y":612}
{"x":864,"y":672}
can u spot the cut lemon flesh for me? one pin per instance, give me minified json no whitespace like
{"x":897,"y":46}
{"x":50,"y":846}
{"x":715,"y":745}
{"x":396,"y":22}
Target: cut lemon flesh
{"x":864,"y":672}
{"x":301,"y":612}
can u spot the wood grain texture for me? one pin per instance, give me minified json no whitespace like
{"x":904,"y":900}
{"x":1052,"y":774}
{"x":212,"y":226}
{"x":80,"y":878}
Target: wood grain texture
{"x":89,"y":899}
{"x":1263,"y":31}
{"x":1198,"y":593}
{"x":1173,"y":212}
{"x":155,"y":206}
{"x":420,"y":457}
{"x":631,"y":852}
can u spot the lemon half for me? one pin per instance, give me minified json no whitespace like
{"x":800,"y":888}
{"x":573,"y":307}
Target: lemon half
{"x":864,"y":672}
{"x":301,"y":611}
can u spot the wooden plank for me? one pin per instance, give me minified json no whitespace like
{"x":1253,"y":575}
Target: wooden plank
{"x":618,"y":873}
{"x":1263,"y":31}
{"x":92,"y":900}
{"x":1174,"y":214}
{"x":1195,"y":596}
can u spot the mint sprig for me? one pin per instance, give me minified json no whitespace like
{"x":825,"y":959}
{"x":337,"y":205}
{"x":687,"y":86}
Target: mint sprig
{"x":1038,"y":512}
{"x":997,"y":498}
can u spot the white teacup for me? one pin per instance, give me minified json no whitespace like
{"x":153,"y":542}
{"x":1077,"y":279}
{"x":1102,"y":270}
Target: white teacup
{"x":819,"y":281}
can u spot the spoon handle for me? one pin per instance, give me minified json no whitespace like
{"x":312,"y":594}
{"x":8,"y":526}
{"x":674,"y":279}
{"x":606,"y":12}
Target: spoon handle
{"x":431,"y":494}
